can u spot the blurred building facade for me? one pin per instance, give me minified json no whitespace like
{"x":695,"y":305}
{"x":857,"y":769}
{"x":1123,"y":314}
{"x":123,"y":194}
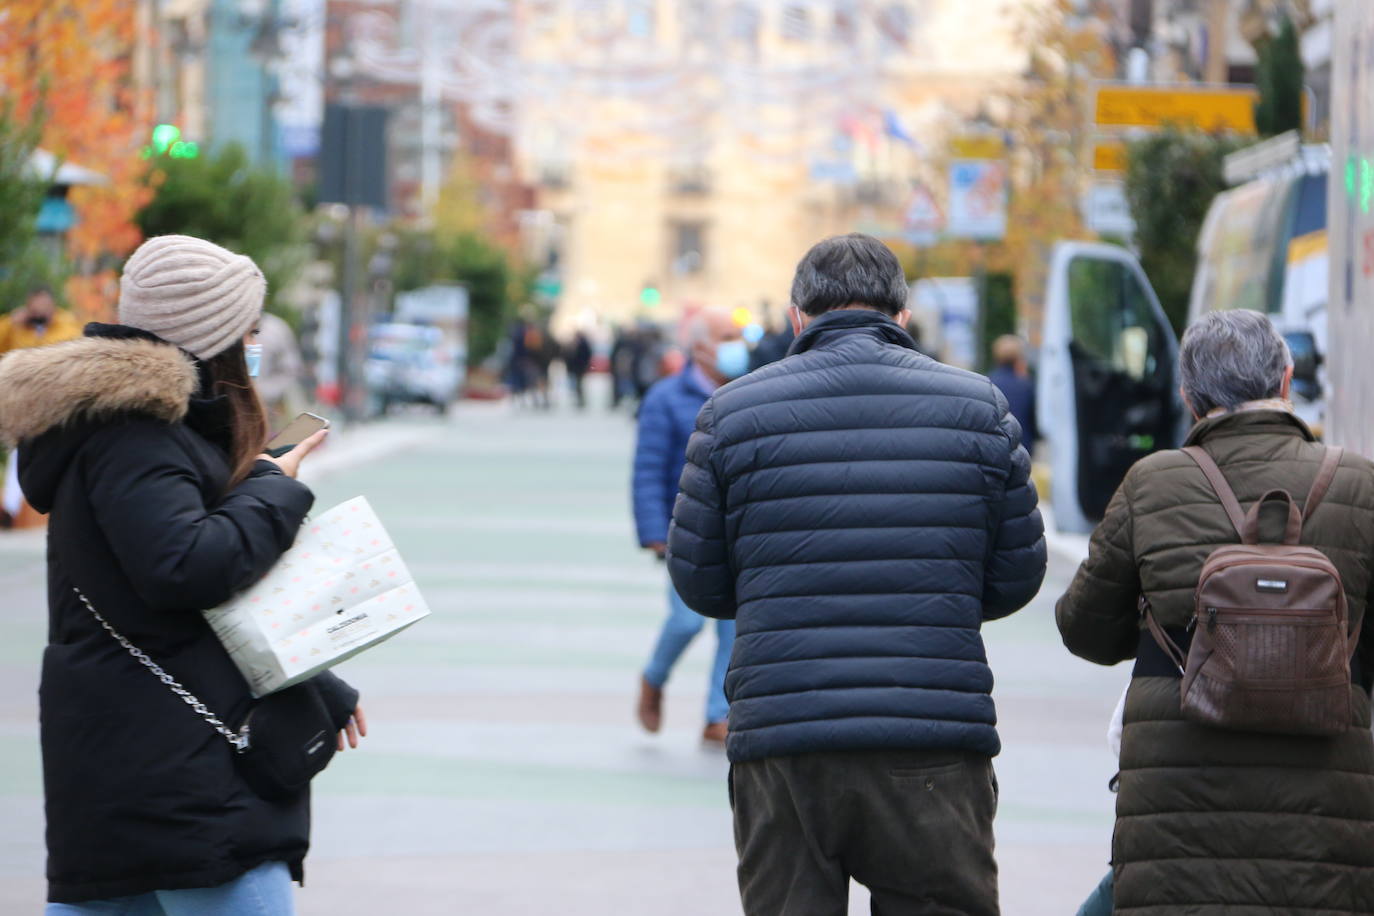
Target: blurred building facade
{"x":209,"y":69}
{"x":688,"y":153}
{"x":651,"y":155}
{"x":400,"y":55}
{"x":1214,"y":41}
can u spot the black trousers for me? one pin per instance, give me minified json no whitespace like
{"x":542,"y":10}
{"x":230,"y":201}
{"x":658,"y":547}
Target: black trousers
{"x":914,"y":827}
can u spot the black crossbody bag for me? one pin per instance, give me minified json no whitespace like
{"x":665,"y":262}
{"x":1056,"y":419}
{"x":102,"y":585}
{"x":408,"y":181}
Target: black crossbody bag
{"x":284,"y":741}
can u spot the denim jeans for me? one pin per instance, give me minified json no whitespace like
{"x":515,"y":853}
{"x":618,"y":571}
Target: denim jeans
{"x":1099,"y":903}
{"x":264,"y":891}
{"x":682,"y":625}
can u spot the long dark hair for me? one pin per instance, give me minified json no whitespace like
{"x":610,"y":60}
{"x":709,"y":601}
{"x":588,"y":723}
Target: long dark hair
{"x":229,"y":379}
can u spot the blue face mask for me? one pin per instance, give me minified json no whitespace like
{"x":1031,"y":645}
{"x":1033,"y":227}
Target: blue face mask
{"x":732,"y":358}
{"x":253,"y":354}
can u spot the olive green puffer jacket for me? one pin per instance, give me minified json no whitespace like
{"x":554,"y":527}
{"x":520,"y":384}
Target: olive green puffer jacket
{"x":1214,"y":822}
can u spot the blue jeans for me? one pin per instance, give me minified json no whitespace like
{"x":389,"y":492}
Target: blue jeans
{"x":682,"y":625}
{"x":1100,"y":901}
{"x":264,"y":891}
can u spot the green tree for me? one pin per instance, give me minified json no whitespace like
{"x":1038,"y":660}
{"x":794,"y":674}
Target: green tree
{"x":1171,"y":178}
{"x":495,"y":287}
{"x":999,"y":311}
{"x":1279,"y":76}
{"x":225,"y":199}
{"x":24,"y":261}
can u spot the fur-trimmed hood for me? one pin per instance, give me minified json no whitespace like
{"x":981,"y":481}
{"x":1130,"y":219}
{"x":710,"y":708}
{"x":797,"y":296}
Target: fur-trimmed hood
{"x":89,"y":379}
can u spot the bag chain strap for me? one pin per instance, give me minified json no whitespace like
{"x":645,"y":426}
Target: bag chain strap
{"x":237,"y":740}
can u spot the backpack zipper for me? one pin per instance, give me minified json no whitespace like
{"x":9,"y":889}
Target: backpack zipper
{"x":1304,"y":616}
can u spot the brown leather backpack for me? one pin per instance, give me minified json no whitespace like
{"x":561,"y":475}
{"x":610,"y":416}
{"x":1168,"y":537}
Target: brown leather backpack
{"x":1270,"y":650}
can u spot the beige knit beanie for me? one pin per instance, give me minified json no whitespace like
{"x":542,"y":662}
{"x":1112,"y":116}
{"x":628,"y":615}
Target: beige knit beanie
{"x":192,"y":293}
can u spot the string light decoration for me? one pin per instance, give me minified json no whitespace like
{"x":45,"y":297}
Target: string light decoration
{"x":785,"y":80}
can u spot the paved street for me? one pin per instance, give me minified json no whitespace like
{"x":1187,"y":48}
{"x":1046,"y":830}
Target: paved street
{"x":505,"y":775}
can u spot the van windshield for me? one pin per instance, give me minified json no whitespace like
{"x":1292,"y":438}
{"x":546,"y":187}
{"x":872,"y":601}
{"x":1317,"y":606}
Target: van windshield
{"x":1240,"y":263}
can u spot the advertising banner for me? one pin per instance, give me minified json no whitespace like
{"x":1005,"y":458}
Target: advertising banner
{"x":978,"y":199}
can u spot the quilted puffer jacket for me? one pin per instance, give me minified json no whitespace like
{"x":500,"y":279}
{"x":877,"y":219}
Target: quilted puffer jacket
{"x":666,"y":420}
{"x":860,"y":510}
{"x":1213,"y":822}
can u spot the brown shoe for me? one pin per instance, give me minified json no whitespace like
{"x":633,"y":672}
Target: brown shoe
{"x":715,"y":734}
{"x":650,"y":706}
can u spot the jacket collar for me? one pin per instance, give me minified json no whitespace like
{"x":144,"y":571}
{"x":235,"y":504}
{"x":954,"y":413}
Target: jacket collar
{"x":693,"y":379}
{"x":842,"y":322}
{"x":1249,"y":422}
{"x":94,"y":377}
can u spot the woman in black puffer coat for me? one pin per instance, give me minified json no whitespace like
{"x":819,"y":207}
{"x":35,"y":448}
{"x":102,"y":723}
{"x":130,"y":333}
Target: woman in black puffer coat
{"x":143,"y":441}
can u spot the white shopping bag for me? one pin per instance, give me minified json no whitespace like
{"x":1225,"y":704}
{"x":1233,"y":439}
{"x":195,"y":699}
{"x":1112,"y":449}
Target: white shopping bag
{"x":341,"y":589}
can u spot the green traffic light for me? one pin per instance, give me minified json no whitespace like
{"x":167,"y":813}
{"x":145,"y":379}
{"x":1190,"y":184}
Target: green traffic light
{"x":165,"y":136}
{"x":650,"y":297}
{"x":1366,"y":185}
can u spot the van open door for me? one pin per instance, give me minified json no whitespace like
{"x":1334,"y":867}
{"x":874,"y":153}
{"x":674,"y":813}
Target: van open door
{"x":1108,"y":377}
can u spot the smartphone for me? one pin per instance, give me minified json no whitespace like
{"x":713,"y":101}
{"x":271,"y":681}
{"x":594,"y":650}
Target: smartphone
{"x":296,"y":432}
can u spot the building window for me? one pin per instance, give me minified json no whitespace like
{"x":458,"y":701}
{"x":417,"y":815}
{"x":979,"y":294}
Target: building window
{"x":593,"y":20}
{"x":689,"y":248}
{"x":744,"y":25}
{"x":796,"y":23}
{"x":696,"y":22}
{"x":845,"y":24}
{"x":542,"y":16}
{"x":894,"y":28}
{"x":639,"y":18}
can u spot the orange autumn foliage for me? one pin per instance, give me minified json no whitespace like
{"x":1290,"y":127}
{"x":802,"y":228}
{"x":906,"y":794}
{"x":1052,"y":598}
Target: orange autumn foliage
{"x":71,"y":61}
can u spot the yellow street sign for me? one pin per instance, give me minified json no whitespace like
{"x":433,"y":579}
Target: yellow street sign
{"x":978,"y":146}
{"x":1207,"y":107}
{"x":1109,"y":157}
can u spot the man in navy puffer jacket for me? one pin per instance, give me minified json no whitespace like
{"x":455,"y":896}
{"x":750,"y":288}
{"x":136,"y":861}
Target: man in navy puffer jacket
{"x":859,"y":510}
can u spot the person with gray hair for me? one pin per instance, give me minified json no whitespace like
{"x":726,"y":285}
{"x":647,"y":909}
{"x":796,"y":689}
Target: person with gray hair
{"x":859,"y":510}
{"x":1233,"y":358}
{"x":717,"y":354}
{"x":1269,"y":822}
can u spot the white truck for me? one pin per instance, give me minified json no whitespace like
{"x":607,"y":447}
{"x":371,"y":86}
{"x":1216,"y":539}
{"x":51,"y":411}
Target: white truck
{"x":1108,"y":378}
{"x":1351,"y":204}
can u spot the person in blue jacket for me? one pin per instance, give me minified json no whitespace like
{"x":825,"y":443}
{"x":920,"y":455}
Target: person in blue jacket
{"x":1012,"y":377}
{"x":666,"y":420}
{"x":860,"y":510}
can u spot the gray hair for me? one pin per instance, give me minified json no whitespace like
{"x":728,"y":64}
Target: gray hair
{"x":853,"y":269}
{"x":699,"y":328}
{"x":1232,"y":357}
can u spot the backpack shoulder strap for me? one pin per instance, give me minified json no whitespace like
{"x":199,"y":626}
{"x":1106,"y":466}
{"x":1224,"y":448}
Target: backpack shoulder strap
{"x":1330,"y":463}
{"x":1223,"y":489}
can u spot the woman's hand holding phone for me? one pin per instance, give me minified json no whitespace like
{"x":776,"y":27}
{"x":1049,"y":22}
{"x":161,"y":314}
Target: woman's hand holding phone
{"x":290,"y":463}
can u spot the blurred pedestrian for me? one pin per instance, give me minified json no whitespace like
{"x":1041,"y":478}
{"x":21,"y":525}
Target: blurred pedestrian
{"x":279,"y":378}
{"x":36,"y":323}
{"x":859,"y":510}
{"x":1213,"y":819}
{"x":774,"y":344}
{"x":620,"y":366}
{"x":144,"y":442}
{"x":647,"y":350}
{"x":1012,"y":375}
{"x":578,"y":360}
{"x":543,"y":353}
{"x":666,"y":420}
{"x":518,"y":361}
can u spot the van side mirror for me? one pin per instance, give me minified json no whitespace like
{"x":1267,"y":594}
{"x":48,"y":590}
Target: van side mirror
{"x":1306,"y":359}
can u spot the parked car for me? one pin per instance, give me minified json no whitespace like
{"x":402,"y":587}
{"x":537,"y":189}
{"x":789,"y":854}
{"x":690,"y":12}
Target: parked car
{"x":410,"y":364}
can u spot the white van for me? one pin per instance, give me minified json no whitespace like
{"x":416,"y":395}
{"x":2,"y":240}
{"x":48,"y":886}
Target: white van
{"x":1108,"y":375}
